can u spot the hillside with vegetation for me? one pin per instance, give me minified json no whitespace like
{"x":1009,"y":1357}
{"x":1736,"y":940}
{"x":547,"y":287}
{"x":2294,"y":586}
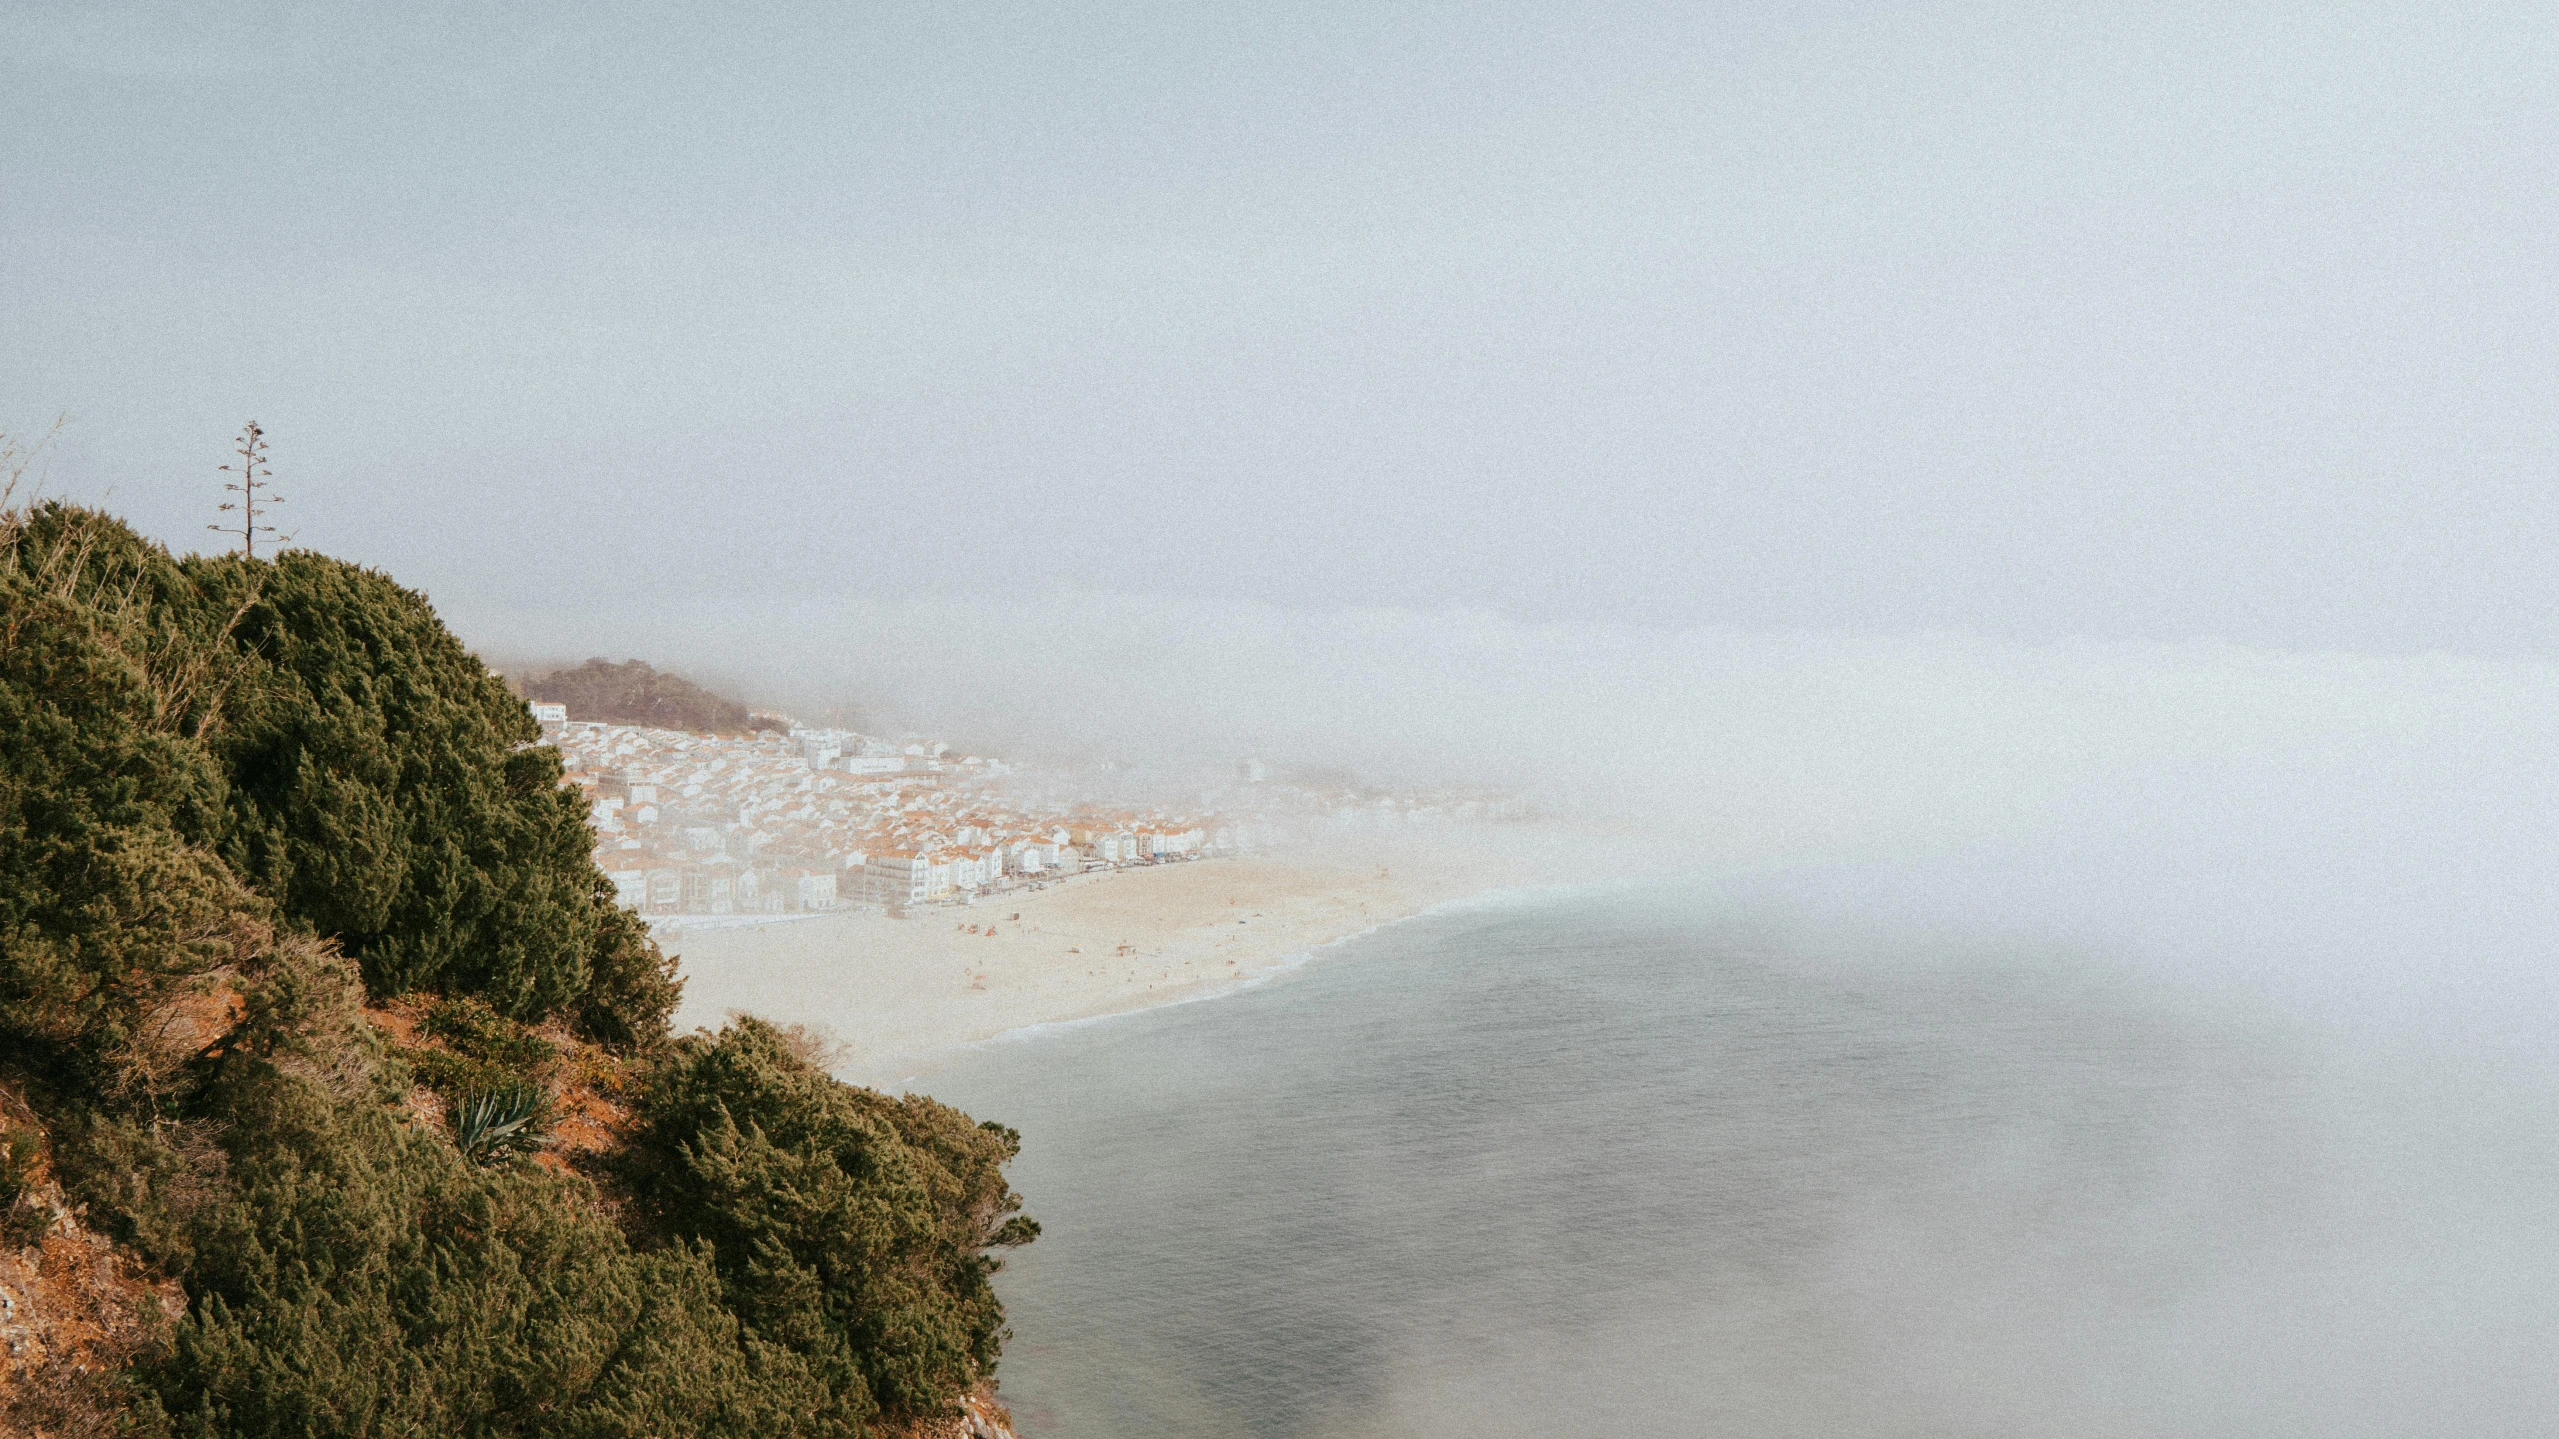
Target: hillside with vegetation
{"x":633,"y":692}
{"x":336,"y":1096}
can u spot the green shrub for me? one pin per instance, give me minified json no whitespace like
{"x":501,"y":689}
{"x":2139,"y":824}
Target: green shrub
{"x":364,"y":1278}
{"x":846,"y":1226}
{"x":482,"y":1051}
{"x":176,"y":734}
{"x":632,"y":987}
{"x":385,"y":788}
{"x":111,"y":891}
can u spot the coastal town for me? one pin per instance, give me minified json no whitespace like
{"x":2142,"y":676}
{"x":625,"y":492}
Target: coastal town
{"x":807,"y":820}
{"x":799,"y":820}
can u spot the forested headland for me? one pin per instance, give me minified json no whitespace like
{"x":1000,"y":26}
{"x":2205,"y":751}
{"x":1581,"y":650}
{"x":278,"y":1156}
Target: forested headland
{"x":337,"y":1097}
{"x":634,"y":692}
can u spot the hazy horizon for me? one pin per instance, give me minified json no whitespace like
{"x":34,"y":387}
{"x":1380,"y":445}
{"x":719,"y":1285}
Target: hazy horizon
{"x":2028,"y":322}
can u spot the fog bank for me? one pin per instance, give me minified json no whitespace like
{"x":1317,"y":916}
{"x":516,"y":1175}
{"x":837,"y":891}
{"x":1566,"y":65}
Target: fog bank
{"x":2347,"y":832}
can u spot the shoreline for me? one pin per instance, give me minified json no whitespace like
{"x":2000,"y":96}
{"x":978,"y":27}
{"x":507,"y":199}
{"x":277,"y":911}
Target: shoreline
{"x":1268,"y":974}
{"x":1285,"y":966}
{"x":902,"y":997}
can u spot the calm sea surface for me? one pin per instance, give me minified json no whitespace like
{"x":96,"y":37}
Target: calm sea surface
{"x":1575,"y":1166}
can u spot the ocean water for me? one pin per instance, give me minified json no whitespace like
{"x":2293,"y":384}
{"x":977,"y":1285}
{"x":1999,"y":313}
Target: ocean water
{"x":1636,"y":1164}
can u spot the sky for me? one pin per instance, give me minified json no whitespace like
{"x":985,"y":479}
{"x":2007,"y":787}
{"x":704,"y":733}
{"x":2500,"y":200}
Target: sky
{"x":2146,"y":324}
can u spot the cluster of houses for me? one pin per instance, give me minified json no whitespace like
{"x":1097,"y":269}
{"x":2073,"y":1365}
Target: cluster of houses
{"x":785,"y":822}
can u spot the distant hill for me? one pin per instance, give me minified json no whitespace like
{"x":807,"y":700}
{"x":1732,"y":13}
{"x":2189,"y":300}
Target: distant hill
{"x":634,"y":693}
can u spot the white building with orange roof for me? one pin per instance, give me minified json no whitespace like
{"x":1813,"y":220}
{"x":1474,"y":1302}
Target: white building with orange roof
{"x":1037,"y":855}
{"x":816,"y":887}
{"x":629,"y":871}
{"x":1162,"y":840}
{"x":897,"y":878}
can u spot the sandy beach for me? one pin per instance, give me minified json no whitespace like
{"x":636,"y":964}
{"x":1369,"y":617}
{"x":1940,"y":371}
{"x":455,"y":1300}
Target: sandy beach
{"x":902,"y":994}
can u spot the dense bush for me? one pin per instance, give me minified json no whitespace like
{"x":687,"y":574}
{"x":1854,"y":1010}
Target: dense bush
{"x":357,"y":1276}
{"x":386,"y":791}
{"x":177,"y":734}
{"x":631,"y":984}
{"x":111,"y":890}
{"x":847,"y":1227}
{"x":234,"y":798}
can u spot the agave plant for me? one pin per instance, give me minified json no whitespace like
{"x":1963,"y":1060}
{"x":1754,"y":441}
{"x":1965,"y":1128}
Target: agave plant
{"x":489,"y":1127}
